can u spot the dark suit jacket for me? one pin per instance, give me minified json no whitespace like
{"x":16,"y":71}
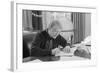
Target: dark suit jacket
{"x":40,"y":44}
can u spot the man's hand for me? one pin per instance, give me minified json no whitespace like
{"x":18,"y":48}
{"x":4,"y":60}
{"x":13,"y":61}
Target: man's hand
{"x":55,"y":51}
{"x":67,"y":49}
{"x":83,"y":47}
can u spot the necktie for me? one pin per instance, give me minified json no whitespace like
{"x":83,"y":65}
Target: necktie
{"x":51,"y":44}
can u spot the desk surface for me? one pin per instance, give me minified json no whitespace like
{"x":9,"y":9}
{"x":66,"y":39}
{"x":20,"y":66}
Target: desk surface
{"x":63,"y":57}
{"x":46,"y":59}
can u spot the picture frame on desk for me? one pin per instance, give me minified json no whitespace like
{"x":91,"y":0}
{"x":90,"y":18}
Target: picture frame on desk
{"x":17,"y":62}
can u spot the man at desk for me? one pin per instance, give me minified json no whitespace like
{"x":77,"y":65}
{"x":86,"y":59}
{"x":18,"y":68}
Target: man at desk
{"x":47,"y":42}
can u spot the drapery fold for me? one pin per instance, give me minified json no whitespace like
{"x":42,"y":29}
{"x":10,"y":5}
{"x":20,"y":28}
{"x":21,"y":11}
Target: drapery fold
{"x":37,"y":21}
{"x":78,"y":20}
{"x":30,"y":21}
{"x":27,"y":20}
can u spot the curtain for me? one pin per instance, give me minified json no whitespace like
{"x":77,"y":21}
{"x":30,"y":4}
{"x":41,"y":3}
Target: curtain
{"x":37,"y":21}
{"x":27,"y":20}
{"x":78,"y":20}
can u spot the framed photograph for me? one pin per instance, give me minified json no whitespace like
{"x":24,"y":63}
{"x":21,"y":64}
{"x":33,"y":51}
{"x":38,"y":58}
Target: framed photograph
{"x":52,"y":36}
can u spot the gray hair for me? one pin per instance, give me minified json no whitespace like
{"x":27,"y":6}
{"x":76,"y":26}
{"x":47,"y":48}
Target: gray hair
{"x":54,"y":23}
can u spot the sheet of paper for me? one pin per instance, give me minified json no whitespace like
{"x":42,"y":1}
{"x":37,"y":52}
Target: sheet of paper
{"x":35,"y":61}
{"x":64,"y":54}
{"x":71,"y":58}
{"x":67,"y":54}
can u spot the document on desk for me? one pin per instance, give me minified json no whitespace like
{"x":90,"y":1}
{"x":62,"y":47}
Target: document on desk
{"x":67,"y":54}
{"x":64,"y":54}
{"x":36,"y":61}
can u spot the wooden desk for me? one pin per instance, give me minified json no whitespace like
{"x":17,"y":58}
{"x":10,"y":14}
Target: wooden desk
{"x":54,"y":58}
{"x":46,"y":59}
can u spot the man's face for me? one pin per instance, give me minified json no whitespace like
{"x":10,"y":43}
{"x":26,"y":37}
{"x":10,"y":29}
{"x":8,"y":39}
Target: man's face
{"x":55,"y":31}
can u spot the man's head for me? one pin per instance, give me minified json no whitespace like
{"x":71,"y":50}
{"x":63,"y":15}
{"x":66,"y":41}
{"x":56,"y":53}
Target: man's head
{"x":54,"y":28}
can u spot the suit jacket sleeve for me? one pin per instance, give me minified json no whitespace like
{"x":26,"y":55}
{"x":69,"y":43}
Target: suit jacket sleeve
{"x":36,"y":50}
{"x":62,"y":41}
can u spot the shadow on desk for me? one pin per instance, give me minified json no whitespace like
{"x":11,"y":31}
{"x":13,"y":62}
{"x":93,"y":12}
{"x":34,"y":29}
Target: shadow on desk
{"x":44,"y":59}
{"x":54,"y":58}
{"x":79,"y":54}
